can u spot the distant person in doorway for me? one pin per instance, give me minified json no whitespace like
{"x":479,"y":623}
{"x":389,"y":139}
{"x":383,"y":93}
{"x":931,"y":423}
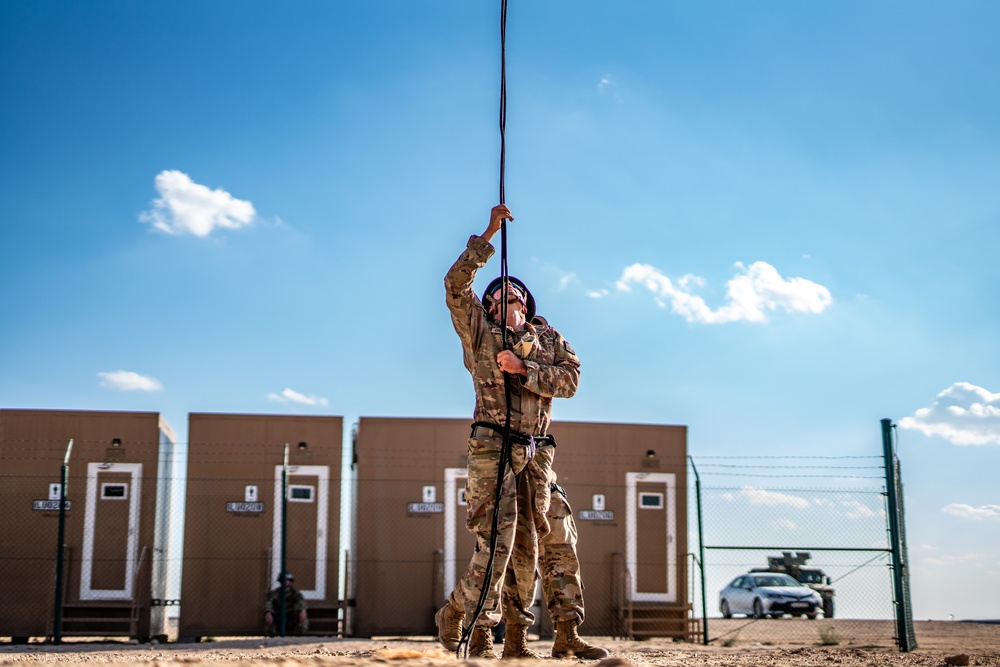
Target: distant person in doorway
{"x":541,"y":366}
{"x":296,"y":619}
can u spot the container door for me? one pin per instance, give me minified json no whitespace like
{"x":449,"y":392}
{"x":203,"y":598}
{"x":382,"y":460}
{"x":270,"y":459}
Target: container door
{"x":650,"y":527}
{"x":308,"y":517}
{"x":110,"y":531}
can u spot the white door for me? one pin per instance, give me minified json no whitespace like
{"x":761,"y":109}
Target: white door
{"x":110,"y":531}
{"x":650,"y":534}
{"x":308,"y":499}
{"x":458,"y":541}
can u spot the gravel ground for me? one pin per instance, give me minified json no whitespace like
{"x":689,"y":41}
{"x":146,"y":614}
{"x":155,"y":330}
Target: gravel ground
{"x":940,"y":644}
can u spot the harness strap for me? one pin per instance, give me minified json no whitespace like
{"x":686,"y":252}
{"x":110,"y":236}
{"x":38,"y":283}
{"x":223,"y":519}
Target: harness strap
{"x":515,"y":437}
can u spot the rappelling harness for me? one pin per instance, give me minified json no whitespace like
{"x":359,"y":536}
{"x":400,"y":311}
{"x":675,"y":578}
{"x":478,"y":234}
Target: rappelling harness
{"x":532,"y":442}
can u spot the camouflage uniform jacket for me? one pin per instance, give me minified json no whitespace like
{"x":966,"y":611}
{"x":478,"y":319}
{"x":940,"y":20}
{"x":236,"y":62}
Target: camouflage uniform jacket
{"x":294,"y":602}
{"x":553,"y":367}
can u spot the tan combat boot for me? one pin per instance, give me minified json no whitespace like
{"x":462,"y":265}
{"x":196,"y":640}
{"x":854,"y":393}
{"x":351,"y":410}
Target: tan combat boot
{"x":449,"y":624}
{"x":481,"y":643}
{"x":569,"y":645}
{"x":515,"y":643}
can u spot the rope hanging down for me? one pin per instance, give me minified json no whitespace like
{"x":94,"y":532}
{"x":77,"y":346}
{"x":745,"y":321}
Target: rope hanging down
{"x":505,"y":453}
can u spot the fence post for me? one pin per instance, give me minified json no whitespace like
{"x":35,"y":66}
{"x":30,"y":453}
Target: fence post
{"x":60,"y":547}
{"x":701,"y":555}
{"x":284,"y":543}
{"x":905,"y":636}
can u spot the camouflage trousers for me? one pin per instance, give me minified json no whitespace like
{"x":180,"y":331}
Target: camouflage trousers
{"x":559,"y":563}
{"x":292,"y":626}
{"x":558,"y":566}
{"x":524,"y":502}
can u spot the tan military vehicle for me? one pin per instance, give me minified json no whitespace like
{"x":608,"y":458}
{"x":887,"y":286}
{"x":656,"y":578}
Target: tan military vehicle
{"x":794,"y":565}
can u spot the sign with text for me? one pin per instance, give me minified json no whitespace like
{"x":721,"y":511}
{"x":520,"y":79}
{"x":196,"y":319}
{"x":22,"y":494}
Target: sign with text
{"x":597,"y":515}
{"x":244,"y":507}
{"x":49,"y":505}
{"x":425,"y":508}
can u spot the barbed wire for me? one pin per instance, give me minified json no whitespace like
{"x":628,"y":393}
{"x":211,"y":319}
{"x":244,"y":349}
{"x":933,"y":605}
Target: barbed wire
{"x":728,"y":465}
{"x":789,"y":456}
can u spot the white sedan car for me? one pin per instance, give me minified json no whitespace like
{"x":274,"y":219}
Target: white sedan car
{"x":760,"y":594}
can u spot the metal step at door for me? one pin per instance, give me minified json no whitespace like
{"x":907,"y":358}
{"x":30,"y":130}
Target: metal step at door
{"x":647,"y":620}
{"x":324,"y":621}
{"x":99,"y":619}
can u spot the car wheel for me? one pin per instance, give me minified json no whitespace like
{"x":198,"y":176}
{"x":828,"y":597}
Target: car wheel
{"x":796,"y":615}
{"x":812,"y":616}
{"x":828,"y":608}
{"x":726,"y":611}
{"x":758,"y":609}
{"x":776,"y":615}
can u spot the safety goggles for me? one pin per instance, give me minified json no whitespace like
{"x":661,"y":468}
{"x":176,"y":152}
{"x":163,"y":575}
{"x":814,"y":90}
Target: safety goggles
{"x":512,"y":291}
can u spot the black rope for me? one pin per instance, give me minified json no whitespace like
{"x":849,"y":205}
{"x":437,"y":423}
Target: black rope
{"x":505,"y":453}
{"x":503,"y":102}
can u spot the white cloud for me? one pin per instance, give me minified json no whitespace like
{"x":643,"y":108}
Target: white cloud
{"x":963,"y":414}
{"x":567,"y":280}
{"x":770,"y":498}
{"x":858,"y":510}
{"x":129,"y":381}
{"x":753,"y":293}
{"x":186,"y":207}
{"x":605,"y":83}
{"x":952,"y":560}
{"x":598,"y":294}
{"x":970,"y":512}
{"x":291,"y":396}
{"x":786,"y":524}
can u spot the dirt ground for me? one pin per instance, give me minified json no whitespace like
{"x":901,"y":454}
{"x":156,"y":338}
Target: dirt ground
{"x":941,"y":643}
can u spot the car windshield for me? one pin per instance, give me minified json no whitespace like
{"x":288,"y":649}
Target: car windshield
{"x":810,"y":577}
{"x":774,"y":580}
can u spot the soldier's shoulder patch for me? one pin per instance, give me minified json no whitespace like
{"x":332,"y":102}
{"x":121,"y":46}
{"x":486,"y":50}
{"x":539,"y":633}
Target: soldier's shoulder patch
{"x":568,"y":347}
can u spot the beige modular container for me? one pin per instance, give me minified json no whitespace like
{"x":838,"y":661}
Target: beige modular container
{"x":233,"y":520}
{"x":626,"y":484}
{"x":115,"y":570}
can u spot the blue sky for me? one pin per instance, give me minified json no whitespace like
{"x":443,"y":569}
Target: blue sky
{"x":773,"y":222}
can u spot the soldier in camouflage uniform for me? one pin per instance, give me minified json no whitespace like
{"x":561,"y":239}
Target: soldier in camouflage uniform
{"x":296,"y":620}
{"x":542,"y":366}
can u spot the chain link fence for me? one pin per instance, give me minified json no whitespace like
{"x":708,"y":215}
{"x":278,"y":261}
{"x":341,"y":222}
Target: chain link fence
{"x":820,"y":520}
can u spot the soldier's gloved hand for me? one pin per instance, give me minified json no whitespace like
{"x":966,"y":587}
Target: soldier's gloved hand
{"x":498,"y":214}
{"x":511,"y":363}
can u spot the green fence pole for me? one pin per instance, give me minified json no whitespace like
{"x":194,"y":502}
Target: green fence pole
{"x":284,"y":542}
{"x":61,"y":547}
{"x":701,"y":555}
{"x":900,"y":576}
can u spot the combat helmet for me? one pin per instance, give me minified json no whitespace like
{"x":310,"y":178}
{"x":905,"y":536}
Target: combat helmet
{"x":529,"y":300}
